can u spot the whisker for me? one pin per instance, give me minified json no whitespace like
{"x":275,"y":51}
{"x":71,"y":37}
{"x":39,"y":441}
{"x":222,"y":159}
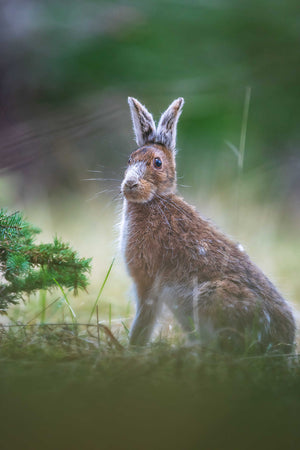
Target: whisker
{"x":61,"y":127}
{"x":114,"y":199}
{"x":101,"y":179}
{"x":99,"y":193}
{"x":118,"y":196}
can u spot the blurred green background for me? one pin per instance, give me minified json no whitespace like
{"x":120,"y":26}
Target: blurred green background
{"x":66,"y":70}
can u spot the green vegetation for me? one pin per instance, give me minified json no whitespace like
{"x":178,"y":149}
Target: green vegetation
{"x":59,"y":389}
{"x":26,"y":267}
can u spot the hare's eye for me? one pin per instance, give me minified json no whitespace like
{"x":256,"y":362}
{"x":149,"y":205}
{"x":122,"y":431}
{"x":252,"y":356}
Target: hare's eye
{"x":157,"y":163}
{"x":129,"y":161}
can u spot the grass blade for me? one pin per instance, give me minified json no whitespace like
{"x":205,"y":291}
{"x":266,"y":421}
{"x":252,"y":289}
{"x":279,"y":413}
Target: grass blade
{"x":233,"y":148}
{"x":109,"y":315}
{"x":244,"y":127}
{"x":42,"y":312}
{"x":240,"y":152}
{"x":98,"y":329}
{"x":43,"y":305}
{"x":125,"y":328}
{"x":73,"y":315}
{"x":101,"y":289}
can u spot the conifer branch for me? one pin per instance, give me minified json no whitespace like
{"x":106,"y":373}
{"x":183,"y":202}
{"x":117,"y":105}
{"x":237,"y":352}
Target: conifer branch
{"x":26,"y":267}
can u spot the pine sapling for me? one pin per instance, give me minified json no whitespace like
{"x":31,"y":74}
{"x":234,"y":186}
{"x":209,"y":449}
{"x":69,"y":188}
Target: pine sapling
{"x":26,"y":267}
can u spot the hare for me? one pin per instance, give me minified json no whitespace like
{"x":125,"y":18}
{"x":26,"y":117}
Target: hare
{"x":177,"y":258}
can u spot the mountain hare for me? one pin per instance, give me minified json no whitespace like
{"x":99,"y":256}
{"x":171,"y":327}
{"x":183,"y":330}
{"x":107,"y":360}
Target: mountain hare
{"x":177,"y":258}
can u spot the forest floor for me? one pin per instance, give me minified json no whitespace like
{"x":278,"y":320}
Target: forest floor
{"x":66,"y":387}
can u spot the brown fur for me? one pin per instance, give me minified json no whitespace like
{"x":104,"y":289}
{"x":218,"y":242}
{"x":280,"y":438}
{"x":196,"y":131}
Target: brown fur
{"x":176,"y":257}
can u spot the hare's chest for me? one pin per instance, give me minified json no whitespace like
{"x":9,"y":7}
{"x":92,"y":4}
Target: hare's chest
{"x":140,"y":247}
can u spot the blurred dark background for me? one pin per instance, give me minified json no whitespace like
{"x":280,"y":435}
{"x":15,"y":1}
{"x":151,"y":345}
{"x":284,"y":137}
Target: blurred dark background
{"x":67,"y":68}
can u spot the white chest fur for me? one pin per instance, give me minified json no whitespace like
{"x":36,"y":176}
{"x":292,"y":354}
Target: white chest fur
{"x":124,"y":225}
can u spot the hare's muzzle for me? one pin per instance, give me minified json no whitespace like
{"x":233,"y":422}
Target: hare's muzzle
{"x":130,"y":187}
{"x":132,"y":177}
{"x":130,"y":184}
{"x":135,"y":187}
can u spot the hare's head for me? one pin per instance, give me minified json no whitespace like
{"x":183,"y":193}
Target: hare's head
{"x":151,"y":168}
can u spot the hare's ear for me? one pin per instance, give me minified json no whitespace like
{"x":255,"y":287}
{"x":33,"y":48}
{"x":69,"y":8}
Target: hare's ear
{"x":143,"y":123}
{"x":167,"y":126}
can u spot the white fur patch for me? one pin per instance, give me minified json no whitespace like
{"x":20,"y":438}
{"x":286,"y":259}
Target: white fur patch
{"x":201,"y":250}
{"x":143,"y":123}
{"x":267,"y":316}
{"x":195,"y":302}
{"x":135,"y":172}
{"x":240,"y":247}
{"x":149,"y":302}
{"x":123,"y":229}
{"x":167,"y":125}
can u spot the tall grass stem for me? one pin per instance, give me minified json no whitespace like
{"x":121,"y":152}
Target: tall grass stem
{"x":241,"y":152}
{"x":101,"y":289}
{"x":73,"y":315}
{"x":98,"y":328}
{"x":43,"y":305}
{"x":109,"y":315}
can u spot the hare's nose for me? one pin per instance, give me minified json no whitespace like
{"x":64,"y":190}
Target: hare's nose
{"x":131,"y":184}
